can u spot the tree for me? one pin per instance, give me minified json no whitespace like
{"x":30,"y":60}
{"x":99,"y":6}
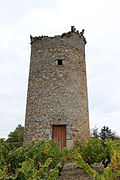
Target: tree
{"x":15,"y":138}
{"x":94,"y":133}
{"x":106,"y":133}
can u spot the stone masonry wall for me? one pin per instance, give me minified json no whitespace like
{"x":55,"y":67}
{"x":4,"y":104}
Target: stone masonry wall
{"x":57,"y":94}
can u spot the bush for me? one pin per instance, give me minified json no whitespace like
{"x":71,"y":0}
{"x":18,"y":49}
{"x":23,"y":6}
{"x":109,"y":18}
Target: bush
{"x":40,"y":159}
{"x":112,"y":171}
{"x":94,"y":151}
{"x":44,"y":160}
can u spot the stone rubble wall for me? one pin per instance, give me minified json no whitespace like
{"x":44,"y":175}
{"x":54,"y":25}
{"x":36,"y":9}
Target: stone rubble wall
{"x":57,"y":94}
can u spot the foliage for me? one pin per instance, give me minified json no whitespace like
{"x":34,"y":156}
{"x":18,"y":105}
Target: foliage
{"x":106,"y":133}
{"x":28,"y":170}
{"x":81,"y":164}
{"x":3,"y":151}
{"x":94,"y":133}
{"x":15,"y":138}
{"x":112,"y":171}
{"x":40,"y":159}
{"x":94,"y":151}
{"x":44,"y":160}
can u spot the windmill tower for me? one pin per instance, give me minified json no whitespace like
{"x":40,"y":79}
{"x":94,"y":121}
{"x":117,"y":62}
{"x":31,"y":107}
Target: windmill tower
{"x":57,"y":101}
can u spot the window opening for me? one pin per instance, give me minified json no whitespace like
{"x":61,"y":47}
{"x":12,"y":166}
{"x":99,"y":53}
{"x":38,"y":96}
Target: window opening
{"x":60,"y":62}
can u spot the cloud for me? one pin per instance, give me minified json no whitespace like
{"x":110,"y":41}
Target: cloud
{"x":19,"y":19}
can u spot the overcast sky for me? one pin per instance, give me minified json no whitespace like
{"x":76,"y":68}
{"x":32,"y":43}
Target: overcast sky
{"x":99,"y":18}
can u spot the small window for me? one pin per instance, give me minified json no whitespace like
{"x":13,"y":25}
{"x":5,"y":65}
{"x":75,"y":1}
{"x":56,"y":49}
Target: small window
{"x":59,"y":62}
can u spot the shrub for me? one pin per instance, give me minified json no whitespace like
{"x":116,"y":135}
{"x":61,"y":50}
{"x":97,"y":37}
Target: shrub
{"x":94,"y":151}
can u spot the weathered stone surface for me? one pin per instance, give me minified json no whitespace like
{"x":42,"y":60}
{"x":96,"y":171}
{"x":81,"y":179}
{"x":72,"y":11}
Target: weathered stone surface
{"x":57,"y":94}
{"x":72,"y":172}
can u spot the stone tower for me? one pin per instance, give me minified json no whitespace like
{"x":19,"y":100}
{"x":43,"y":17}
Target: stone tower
{"x":57,"y":101}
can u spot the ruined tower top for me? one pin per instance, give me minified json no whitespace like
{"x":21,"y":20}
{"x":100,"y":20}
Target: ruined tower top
{"x":68,"y":34}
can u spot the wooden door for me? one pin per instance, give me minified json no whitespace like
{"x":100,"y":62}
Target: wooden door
{"x":59,"y":134}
